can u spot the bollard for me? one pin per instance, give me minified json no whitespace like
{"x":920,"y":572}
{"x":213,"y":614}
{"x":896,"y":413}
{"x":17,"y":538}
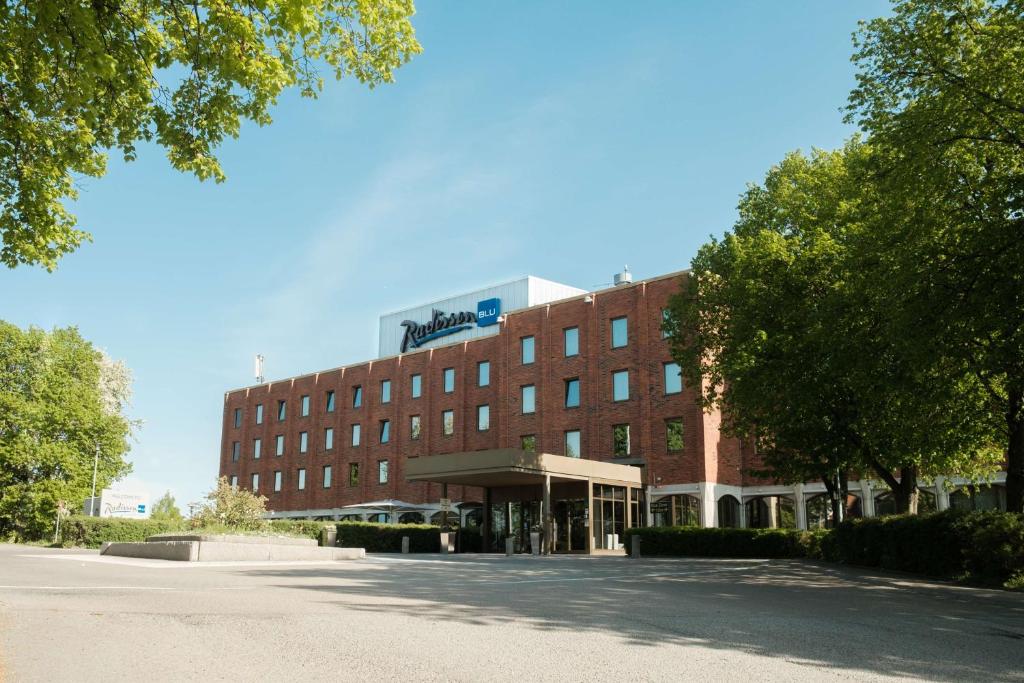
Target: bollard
{"x":329,"y":537}
{"x":405,"y":545}
{"x":510,"y":546}
{"x":634,"y":551}
{"x":534,"y":543}
{"x":445,"y":543}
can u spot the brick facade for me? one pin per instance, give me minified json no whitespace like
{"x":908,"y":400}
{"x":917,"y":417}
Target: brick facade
{"x":706,"y":456}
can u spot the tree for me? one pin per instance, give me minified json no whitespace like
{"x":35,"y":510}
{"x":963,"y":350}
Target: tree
{"x":232,"y":507}
{"x":940,"y":91}
{"x":165,"y":509}
{"x":784,"y":328}
{"x":59,"y":403}
{"x":80,"y":77}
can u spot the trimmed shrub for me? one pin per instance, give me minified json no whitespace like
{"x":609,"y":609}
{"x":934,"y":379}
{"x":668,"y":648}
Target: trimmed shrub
{"x":688,"y":541}
{"x":387,"y":538}
{"x":91,"y":532}
{"x":984,"y":548}
{"x":298,"y":527}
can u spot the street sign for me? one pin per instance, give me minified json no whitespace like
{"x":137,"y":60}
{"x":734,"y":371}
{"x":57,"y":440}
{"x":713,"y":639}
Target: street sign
{"x":446,"y":504}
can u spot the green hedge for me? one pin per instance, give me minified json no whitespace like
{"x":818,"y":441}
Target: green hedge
{"x":298,"y":527}
{"x":692,"y":541}
{"x":91,"y":532}
{"x":984,"y":548}
{"x":387,"y":538}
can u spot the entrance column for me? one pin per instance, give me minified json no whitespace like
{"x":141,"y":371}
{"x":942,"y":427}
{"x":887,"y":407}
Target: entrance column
{"x":545,"y":513}
{"x":590,"y":516}
{"x":485,"y":541}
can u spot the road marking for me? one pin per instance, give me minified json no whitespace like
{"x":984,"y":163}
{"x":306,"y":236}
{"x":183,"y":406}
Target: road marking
{"x":86,"y":588}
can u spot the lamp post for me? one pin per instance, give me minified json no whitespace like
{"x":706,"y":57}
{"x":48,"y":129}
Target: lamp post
{"x":95,"y":466}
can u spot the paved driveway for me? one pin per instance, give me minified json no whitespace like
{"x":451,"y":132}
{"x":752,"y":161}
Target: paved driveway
{"x":72,"y":615}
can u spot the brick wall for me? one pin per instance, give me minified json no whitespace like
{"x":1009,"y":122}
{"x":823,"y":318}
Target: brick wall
{"x":706,"y":455}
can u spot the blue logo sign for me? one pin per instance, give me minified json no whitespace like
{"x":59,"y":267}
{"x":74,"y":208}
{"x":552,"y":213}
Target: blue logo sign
{"x":142,"y":509}
{"x":442,"y":324}
{"x":487,"y":312}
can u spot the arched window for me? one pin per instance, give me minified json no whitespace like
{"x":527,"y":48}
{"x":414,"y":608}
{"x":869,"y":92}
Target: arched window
{"x":885,"y":503}
{"x":771,"y":512}
{"x":971,"y":498}
{"x":475,"y":517}
{"x":819,"y":510}
{"x":677,"y":510}
{"x":411,"y":518}
{"x":437,"y":519}
{"x":728,"y":512}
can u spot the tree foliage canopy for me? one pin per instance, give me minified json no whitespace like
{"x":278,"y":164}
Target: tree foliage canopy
{"x":940,"y":90}
{"x":60,"y":400}
{"x":232,"y":507}
{"x":165,"y":509}
{"x":80,"y":77}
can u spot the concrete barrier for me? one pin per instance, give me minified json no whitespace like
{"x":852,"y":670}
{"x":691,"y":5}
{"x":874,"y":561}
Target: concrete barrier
{"x":227,"y":548}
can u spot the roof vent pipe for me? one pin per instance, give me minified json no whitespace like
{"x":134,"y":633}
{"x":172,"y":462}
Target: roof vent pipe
{"x":623,"y":278}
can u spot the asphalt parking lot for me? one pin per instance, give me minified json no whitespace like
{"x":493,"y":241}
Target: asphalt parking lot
{"x":73,"y":615}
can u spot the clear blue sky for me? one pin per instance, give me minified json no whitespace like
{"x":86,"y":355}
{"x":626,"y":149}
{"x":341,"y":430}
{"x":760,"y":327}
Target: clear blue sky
{"x":555,"y":139}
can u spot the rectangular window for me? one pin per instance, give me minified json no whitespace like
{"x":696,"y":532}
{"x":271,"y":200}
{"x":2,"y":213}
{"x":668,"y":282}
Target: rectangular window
{"x":255,"y":482}
{"x":356,"y":434}
{"x":571,"y":341}
{"x":327,"y":476}
{"x":385,"y":391}
{"x":529,"y":399}
{"x":329,"y":438}
{"x":303,"y":442}
{"x":357,"y":396}
{"x":236,"y":450}
{"x":674,"y":434}
{"x":382,"y":471}
{"x":620,"y":332}
{"x":483,"y":373}
{"x":528,"y":442}
{"x":238,"y":417}
{"x":620,"y":385}
{"x":277,"y":480}
{"x":259,"y":413}
{"x":572,"y":393}
{"x":282,"y":410}
{"x":385,"y":431}
{"x":417,"y":386}
{"x":448,"y":422}
{"x":329,"y":400}
{"x":304,"y":406}
{"x":449,"y":380}
{"x":353,"y":474}
{"x":414,"y":427}
{"x":302,"y":479}
{"x":673,"y":378}
{"x":483,"y":418}
{"x":664,"y":321}
{"x":279,"y":445}
{"x":234,"y":481}
{"x":257,"y":448}
{"x":620,"y":441}
{"x":572,"y":443}
{"x":526,"y":345}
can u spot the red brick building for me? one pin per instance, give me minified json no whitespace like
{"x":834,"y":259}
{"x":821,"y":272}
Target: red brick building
{"x":589,"y":376}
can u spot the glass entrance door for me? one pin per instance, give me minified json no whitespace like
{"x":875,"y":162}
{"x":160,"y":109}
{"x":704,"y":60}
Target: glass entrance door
{"x":609,"y":516}
{"x":570,"y":522}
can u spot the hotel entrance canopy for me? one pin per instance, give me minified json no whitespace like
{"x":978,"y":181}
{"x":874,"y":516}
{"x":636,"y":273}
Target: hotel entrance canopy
{"x":593,"y":503}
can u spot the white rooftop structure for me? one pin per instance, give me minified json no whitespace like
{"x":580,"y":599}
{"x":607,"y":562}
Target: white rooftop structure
{"x":466,"y":316}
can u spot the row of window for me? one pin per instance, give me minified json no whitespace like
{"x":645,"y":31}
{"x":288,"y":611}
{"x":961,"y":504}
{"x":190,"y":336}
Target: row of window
{"x":326,"y":477}
{"x":672,"y":384}
{"x":528,"y":442}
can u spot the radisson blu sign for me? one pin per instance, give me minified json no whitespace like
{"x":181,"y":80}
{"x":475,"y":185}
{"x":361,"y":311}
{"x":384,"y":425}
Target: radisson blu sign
{"x":442,"y":324}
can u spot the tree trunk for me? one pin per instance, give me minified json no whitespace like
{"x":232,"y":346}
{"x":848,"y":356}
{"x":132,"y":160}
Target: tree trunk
{"x":1015,"y":450}
{"x":905,"y":494}
{"x":833,"y":499}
